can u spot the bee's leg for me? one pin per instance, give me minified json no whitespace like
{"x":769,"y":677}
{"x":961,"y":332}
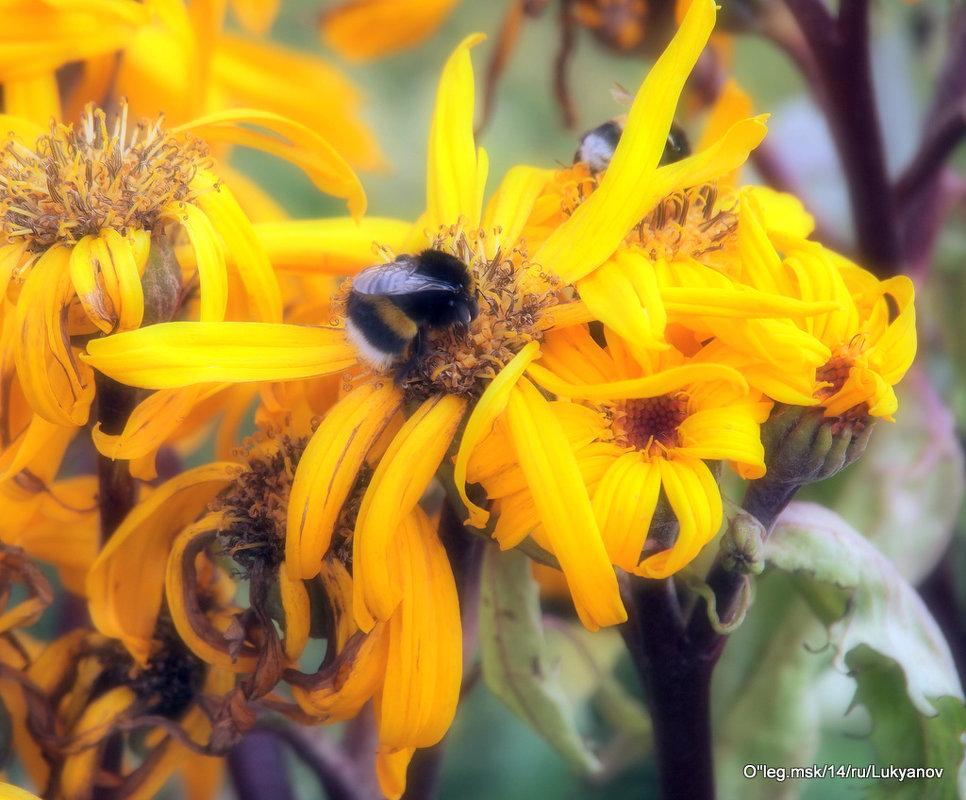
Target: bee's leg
{"x":416,"y":351}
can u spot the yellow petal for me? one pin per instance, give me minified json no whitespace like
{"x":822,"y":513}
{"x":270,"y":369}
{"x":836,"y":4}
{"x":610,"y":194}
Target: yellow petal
{"x":328,"y":470}
{"x":564,"y":506}
{"x":336,"y":246}
{"x":247,"y":254}
{"x":106,"y":277}
{"x":40,"y":438}
{"x":125,"y":583}
{"x":424,"y":668}
{"x":396,"y":486}
{"x":456,"y":171}
{"x":730,"y":433}
{"x":289,"y":140}
{"x":599,"y":224}
{"x":57,"y":387}
{"x":696,"y":500}
{"x":174,"y":354}
{"x":341,"y":689}
{"x":363,"y":29}
{"x":152,"y":422}
{"x":624,"y":503}
{"x":183,"y":598}
{"x":490,"y":405}
{"x":36,"y":97}
{"x":259,"y":74}
{"x":512,"y":202}
{"x":391,"y":766}
{"x":663,"y":382}
{"x":623,"y":294}
{"x":209,"y":257}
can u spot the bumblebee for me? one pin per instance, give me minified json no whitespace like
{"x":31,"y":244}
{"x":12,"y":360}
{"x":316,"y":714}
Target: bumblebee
{"x":597,"y":146}
{"x":391,"y":306}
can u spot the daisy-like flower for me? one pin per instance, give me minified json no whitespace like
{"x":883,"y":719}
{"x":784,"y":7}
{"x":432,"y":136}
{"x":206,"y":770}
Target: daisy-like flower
{"x":164,"y":57}
{"x":89,"y":217}
{"x":642,"y":423}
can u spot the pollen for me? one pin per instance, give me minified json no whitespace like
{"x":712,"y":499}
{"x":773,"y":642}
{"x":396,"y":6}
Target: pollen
{"x":254,"y":508}
{"x":693,"y":222}
{"x":78,"y":181}
{"x":650,"y":425}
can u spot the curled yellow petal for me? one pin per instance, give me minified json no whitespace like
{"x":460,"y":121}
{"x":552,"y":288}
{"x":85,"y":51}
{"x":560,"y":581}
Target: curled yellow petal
{"x":391,"y":766}
{"x":490,"y":405}
{"x":247,"y":254}
{"x":210,"y":259}
{"x":57,"y":387}
{"x":289,"y":140}
{"x":184,"y":601}
{"x":397,"y":484}
{"x":174,"y":354}
{"x":152,"y":422}
{"x":125,"y":583}
{"x":328,"y":470}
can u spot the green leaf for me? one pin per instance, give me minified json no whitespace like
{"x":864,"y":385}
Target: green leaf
{"x":902,"y":736}
{"x":515,"y":662}
{"x":764,"y":694}
{"x":910,"y":478}
{"x":883,"y":612}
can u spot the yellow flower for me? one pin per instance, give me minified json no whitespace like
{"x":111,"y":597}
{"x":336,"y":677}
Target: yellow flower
{"x":483,"y":369}
{"x":644,"y":421}
{"x":88,"y":218}
{"x":163,"y":56}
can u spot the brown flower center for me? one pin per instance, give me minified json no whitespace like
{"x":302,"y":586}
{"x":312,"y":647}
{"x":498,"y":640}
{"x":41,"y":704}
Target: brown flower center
{"x":650,"y":424}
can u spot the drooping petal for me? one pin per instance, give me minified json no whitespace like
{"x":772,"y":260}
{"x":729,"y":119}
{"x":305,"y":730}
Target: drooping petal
{"x":398,"y":482}
{"x":209,"y":257}
{"x":152,"y":422}
{"x":125,"y":583}
{"x":391,"y":766}
{"x":624,"y":504}
{"x":289,"y":140}
{"x":183,"y":597}
{"x":58,"y":387}
{"x":424,"y":668}
{"x":565,"y":511}
{"x":328,"y":470}
{"x":696,"y":501}
{"x":456,"y":170}
{"x":258,"y":74}
{"x":247,"y":255}
{"x":174,"y":354}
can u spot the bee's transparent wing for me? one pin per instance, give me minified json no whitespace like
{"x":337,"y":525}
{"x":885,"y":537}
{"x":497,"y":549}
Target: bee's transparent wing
{"x":395,"y":278}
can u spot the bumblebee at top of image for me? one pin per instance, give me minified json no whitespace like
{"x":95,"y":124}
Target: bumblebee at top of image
{"x":391,"y":305}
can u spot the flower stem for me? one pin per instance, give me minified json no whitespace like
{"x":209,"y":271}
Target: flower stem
{"x":677,"y":685}
{"x":116,"y":490}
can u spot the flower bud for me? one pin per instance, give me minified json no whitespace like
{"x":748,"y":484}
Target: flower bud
{"x":742,"y":545}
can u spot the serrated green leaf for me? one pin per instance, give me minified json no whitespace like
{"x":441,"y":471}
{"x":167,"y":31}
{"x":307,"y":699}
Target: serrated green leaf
{"x":884,"y":612}
{"x":515,"y":663}
{"x":936,"y":744}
